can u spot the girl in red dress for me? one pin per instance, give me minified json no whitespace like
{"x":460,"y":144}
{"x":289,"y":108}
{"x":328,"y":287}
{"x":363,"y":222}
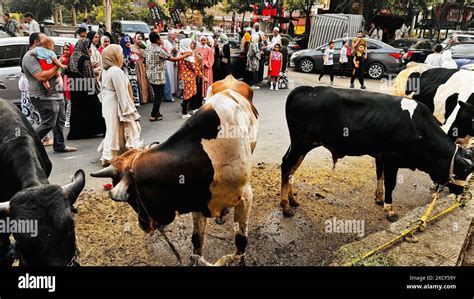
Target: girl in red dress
{"x":274,"y":66}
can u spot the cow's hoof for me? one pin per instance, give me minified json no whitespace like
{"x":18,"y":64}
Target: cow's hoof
{"x":294,"y":203}
{"x":392,"y":218}
{"x":228,"y":260}
{"x":198,"y":261}
{"x":220,"y":220}
{"x":379,"y":202}
{"x":288,"y":213}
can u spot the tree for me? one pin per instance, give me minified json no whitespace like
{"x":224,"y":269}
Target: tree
{"x":238,"y":7}
{"x":42,"y":9}
{"x":305,"y":7}
{"x":193,"y":5}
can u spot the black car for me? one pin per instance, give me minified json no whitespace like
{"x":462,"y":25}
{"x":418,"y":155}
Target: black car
{"x":416,"y":49}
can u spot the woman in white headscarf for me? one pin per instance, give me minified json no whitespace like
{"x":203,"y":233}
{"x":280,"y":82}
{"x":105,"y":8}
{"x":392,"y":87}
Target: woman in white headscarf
{"x":253,"y":61}
{"x":447,"y":60}
{"x":123,"y":130}
{"x":187,"y":72}
{"x":207,"y":54}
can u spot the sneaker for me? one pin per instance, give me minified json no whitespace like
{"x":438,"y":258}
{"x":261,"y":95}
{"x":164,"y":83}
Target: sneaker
{"x":333,"y":84}
{"x":352,"y":85}
{"x":363,"y":87}
{"x":67,"y":124}
{"x":185,"y":116}
{"x":271,"y":87}
{"x":276,"y":87}
{"x":255,"y":87}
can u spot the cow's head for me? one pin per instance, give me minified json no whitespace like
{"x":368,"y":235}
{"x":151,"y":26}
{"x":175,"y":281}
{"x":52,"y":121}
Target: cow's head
{"x":461,"y":168}
{"x":121,"y":173}
{"x":464,"y":123}
{"x":48,"y":237}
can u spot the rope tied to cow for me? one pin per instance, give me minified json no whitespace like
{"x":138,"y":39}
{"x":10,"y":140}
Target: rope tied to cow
{"x":419,"y":225}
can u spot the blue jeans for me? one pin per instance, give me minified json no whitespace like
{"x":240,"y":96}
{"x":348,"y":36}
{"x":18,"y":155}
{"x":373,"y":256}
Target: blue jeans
{"x":168,"y":94}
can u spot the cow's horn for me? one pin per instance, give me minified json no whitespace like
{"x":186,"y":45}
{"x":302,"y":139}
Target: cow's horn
{"x":73,"y":189}
{"x":5,"y":208}
{"x":107,"y":172}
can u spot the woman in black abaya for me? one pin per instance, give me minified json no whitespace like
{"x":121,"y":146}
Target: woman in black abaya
{"x":86,"y":110}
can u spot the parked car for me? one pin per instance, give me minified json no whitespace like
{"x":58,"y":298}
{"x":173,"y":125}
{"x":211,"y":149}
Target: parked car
{"x":382,"y":58}
{"x":416,"y":49}
{"x":462,"y":53}
{"x":120,"y":28}
{"x":459,"y":39}
{"x":12,"y":50}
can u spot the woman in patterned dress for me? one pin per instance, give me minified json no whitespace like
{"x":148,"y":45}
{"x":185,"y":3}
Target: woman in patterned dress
{"x":188,"y":72}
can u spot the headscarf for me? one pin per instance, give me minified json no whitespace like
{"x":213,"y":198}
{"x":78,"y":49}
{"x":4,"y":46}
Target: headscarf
{"x":200,"y":45}
{"x":112,"y":56}
{"x":81,"y":49}
{"x":173,"y":43}
{"x":211,"y":41}
{"x":223,"y":39}
{"x":245,"y":39}
{"x":185,"y":46}
{"x":126,"y":51}
{"x":90,"y":36}
{"x":71,"y":51}
{"x":102,"y":41}
{"x":103,"y":38}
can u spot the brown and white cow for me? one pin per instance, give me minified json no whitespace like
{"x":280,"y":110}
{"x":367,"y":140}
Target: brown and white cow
{"x":203,"y":168}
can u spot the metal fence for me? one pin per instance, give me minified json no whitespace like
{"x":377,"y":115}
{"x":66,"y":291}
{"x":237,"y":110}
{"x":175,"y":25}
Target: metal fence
{"x":327,"y":27}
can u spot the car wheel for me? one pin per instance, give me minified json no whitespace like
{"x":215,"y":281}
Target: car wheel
{"x":375,"y":70}
{"x":307,"y":65}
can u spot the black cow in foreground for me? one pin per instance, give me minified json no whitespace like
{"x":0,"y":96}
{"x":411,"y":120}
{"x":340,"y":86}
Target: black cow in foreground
{"x":27,"y":196}
{"x":448,"y":93}
{"x":398,"y":132}
{"x":204,"y":168}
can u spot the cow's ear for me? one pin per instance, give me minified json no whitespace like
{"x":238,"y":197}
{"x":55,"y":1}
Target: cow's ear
{"x":466,"y":106}
{"x":73,"y":189}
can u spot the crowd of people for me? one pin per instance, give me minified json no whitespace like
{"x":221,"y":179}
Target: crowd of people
{"x":95,"y":87}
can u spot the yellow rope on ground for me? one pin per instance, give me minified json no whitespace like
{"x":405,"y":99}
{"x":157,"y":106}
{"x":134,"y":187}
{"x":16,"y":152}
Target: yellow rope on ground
{"x":421,"y":225}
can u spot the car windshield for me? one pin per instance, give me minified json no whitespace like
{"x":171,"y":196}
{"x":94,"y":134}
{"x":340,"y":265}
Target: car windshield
{"x":135,"y":27}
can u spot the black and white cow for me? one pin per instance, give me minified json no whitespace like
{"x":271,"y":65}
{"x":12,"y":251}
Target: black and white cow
{"x":398,"y":132}
{"x":203,"y":168}
{"x":27,"y":195}
{"x":448,"y":93}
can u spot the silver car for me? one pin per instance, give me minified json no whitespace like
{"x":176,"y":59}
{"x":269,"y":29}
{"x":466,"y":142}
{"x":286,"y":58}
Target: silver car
{"x":382,"y":59}
{"x":12,"y":50}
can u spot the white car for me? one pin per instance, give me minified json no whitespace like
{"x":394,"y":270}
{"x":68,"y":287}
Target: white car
{"x":12,"y":50}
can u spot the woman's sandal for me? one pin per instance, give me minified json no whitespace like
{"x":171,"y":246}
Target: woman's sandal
{"x":159,"y":117}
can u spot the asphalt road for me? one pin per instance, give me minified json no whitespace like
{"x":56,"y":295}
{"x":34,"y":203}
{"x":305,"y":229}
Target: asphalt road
{"x":272,"y":143}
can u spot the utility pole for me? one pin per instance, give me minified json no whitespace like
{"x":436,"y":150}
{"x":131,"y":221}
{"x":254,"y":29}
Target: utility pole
{"x":108,"y":15}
